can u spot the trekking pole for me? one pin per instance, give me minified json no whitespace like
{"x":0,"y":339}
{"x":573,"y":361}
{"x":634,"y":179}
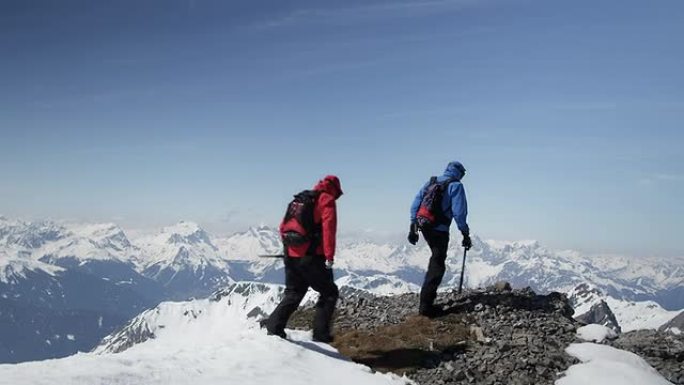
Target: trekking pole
{"x":460,"y":284}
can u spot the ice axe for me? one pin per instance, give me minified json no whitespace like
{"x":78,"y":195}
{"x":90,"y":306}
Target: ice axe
{"x":460,"y":283}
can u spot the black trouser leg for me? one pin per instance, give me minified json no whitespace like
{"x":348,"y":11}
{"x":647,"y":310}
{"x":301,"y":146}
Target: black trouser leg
{"x":295,"y":290}
{"x":322,"y":280}
{"x":438,"y":242}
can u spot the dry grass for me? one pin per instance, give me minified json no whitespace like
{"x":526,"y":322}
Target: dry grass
{"x":403,"y":347}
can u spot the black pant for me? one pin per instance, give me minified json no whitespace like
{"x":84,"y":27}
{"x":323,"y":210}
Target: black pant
{"x":438,"y":242}
{"x":300,"y":274}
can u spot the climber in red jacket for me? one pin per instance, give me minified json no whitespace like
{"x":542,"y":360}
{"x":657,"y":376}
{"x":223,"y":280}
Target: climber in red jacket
{"x":309,"y":232}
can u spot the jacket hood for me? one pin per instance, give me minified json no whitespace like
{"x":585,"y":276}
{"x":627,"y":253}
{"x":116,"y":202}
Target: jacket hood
{"x":331,"y":185}
{"x":455,"y":170}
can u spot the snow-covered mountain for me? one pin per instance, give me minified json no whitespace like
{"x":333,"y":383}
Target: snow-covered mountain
{"x":675,"y":325}
{"x":64,"y":287}
{"x":249,"y":298}
{"x":242,"y":250}
{"x":208,"y":341}
{"x":55,"y":267}
{"x":184,"y":260}
{"x":378,"y":284}
{"x":522,"y":263}
{"x":592,"y":306}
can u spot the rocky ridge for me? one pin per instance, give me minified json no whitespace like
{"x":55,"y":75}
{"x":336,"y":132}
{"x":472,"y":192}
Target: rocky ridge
{"x":485,"y":336}
{"x":662,"y":350}
{"x":490,"y":336}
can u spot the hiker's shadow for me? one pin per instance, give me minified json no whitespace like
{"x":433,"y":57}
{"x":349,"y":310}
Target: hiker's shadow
{"x":534,"y":302}
{"x":313,"y":346}
{"x":409,"y":358}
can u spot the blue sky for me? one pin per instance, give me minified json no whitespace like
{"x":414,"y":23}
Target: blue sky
{"x":567,"y":115}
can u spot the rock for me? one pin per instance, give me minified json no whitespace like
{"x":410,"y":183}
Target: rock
{"x":502,"y":286}
{"x":510,"y":336}
{"x":600,"y":313}
{"x":675,"y":325}
{"x":662,"y":350}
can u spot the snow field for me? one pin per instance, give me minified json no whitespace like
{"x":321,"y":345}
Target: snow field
{"x":605,"y":365}
{"x":218,"y":344}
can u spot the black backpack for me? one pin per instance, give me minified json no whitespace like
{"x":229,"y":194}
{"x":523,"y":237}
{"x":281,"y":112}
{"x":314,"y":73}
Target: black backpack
{"x":430,"y":212}
{"x":298,"y":226}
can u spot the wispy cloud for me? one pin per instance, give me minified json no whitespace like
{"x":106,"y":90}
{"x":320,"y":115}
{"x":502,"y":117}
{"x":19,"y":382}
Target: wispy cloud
{"x":358,"y":13}
{"x":143,"y":148}
{"x":662,"y":178}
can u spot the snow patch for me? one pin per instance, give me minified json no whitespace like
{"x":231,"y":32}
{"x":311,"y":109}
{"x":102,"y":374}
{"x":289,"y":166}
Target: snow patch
{"x":14,"y":269}
{"x":606,"y":365}
{"x":595,"y":333}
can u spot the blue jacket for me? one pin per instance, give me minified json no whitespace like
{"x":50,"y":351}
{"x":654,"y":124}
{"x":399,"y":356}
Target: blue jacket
{"x":454,"y":202}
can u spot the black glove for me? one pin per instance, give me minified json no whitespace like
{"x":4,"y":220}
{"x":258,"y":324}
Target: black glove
{"x":467,"y":243}
{"x":413,"y":234}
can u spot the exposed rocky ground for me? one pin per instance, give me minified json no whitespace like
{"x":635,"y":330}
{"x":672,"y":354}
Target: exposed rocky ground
{"x":489,"y":336}
{"x":492,"y":336}
{"x":664,"y":351}
{"x":676,"y":325}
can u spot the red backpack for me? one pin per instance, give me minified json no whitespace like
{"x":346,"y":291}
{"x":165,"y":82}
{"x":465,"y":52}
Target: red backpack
{"x":298,"y":226}
{"x":430,"y":212}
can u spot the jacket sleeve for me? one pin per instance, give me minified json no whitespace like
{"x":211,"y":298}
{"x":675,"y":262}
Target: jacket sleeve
{"x":459,"y":206}
{"x":416,"y":203}
{"x":329,"y":225}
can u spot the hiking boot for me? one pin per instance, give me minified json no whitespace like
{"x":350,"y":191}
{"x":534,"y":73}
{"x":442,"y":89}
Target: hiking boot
{"x":280,"y":333}
{"x":430,"y":311}
{"x":264,"y":325}
{"x":326,"y":338}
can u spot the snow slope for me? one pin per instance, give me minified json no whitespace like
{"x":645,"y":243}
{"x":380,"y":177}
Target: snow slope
{"x":219,"y":344}
{"x":249,"y":298}
{"x":606,"y":365}
{"x":15,"y":268}
{"x":633,"y":315}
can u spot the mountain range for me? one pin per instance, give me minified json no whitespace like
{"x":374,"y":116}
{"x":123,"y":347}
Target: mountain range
{"x":64,"y":287}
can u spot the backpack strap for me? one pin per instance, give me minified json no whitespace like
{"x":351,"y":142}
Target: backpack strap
{"x":449,"y":181}
{"x":445,"y":187}
{"x":316,"y":228}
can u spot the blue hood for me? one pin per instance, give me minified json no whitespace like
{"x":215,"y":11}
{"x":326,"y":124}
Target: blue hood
{"x":454,"y":170}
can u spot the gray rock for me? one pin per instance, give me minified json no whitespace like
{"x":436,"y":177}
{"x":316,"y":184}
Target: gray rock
{"x":662,"y":350}
{"x":675,"y":323}
{"x":522,"y":335}
{"x":600,"y":313}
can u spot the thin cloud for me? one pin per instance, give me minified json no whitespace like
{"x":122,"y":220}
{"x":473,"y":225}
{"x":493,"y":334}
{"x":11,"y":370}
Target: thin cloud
{"x":143,"y":148}
{"x":662,"y":178}
{"x":354,"y":14}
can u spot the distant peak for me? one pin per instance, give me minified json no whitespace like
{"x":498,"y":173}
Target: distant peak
{"x":183,"y":228}
{"x":262,"y":228}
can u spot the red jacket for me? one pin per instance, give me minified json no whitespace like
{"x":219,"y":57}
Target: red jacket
{"x":325,"y":214}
